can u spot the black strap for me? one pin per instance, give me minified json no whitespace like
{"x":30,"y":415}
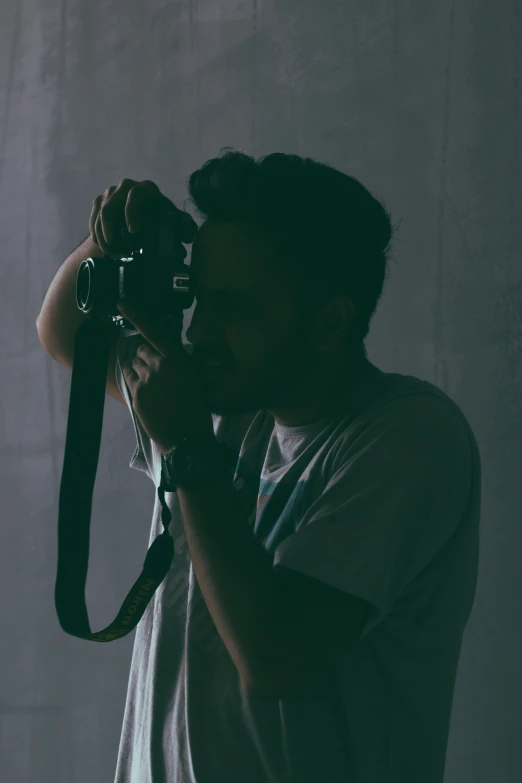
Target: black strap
{"x":82,"y":450}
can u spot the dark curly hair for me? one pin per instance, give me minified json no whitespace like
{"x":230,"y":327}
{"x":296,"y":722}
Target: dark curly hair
{"x":331,"y":234}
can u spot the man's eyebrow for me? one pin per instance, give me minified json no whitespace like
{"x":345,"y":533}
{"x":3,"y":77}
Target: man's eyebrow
{"x":231,"y":292}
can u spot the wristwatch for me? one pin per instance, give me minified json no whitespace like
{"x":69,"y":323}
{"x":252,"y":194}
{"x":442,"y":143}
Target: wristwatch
{"x":193,"y":464}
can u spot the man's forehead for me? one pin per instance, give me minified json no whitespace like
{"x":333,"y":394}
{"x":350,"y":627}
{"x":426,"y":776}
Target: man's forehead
{"x":231,"y":255}
{"x":226,"y":250}
{"x":230,"y":235}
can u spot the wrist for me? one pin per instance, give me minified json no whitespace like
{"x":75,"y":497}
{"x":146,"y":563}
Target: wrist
{"x":194,"y":462}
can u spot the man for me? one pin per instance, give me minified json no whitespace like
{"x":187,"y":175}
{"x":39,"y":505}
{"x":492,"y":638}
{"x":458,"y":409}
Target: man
{"x":310,"y":626}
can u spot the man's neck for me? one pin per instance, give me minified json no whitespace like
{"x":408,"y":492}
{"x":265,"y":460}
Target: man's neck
{"x":332,"y":389}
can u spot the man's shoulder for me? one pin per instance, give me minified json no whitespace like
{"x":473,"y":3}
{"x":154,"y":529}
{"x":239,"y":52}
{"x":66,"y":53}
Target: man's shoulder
{"x":411,"y":396}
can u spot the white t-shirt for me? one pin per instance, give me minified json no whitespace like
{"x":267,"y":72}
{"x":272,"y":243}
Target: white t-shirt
{"x":382,"y":502}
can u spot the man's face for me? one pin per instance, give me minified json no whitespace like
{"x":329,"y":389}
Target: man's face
{"x":271,"y":360}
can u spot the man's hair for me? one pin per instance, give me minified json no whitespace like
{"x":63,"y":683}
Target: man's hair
{"x":332,"y":236}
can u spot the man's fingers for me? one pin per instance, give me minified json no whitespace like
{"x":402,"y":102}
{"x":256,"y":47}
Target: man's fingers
{"x":153,"y":328}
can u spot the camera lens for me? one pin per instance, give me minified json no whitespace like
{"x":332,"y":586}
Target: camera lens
{"x":84,"y":287}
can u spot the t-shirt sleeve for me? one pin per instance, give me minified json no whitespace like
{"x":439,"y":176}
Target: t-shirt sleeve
{"x":396,"y":495}
{"x":126,"y":347}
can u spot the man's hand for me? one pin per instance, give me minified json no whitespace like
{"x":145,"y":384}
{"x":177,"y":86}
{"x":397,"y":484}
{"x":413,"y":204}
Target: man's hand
{"x":167,"y":391}
{"x":136,"y":208}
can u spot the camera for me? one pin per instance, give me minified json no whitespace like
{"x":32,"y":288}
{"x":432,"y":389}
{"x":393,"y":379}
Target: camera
{"x":146,"y":277}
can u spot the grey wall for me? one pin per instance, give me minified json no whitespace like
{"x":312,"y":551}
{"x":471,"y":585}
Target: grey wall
{"x":422,"y":102}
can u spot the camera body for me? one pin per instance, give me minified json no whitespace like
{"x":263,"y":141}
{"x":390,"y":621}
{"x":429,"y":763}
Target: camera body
{"x":144,"y":277}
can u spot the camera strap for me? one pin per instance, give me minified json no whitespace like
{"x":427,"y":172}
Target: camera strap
{"x":82,"y":450}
